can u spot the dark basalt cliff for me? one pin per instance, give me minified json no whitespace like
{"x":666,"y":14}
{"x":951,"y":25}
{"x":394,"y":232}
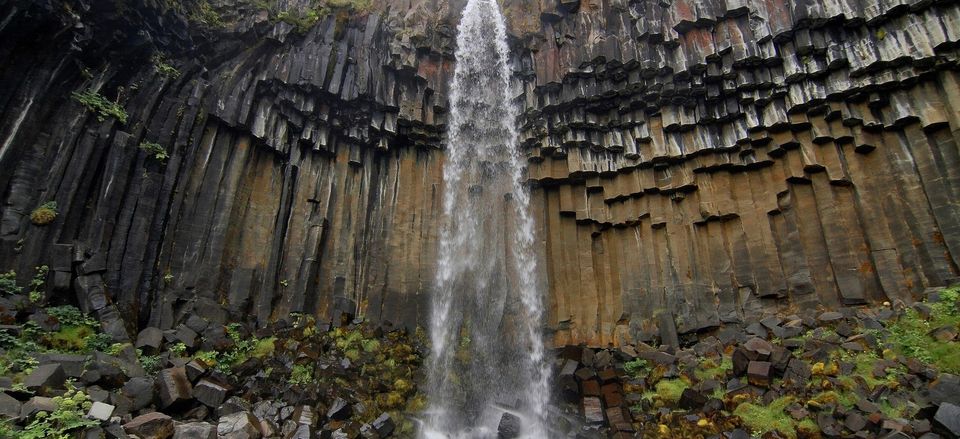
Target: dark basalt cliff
{"x":692,"y":162}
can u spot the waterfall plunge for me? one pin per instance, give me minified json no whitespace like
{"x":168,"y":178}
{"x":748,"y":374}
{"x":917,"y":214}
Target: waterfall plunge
{"x":487,"y":350}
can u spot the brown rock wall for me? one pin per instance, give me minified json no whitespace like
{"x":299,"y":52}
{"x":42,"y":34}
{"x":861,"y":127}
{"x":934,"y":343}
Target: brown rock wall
{"x":708,"y":159}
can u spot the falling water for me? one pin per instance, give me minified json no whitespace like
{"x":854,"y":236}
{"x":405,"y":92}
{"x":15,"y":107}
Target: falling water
{"x":487,"y":350}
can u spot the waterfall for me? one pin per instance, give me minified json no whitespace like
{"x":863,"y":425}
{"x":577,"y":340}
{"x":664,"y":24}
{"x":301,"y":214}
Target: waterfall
{"x":487,"y":354}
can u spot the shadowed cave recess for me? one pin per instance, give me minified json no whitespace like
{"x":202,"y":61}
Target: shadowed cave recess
{"x":738,"y":207}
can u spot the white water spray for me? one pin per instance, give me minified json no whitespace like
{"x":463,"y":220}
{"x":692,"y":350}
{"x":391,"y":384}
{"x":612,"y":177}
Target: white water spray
{"x":487,"y":349}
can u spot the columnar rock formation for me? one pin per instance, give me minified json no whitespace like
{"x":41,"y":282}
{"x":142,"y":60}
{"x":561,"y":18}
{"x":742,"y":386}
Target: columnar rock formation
{"x":692,"y":161}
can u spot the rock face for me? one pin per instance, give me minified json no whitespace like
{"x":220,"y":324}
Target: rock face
{"x":691,"y":161}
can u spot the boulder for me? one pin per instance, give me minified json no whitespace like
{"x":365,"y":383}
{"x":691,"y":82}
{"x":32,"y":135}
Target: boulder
{"x":592,"y":410}
{"x":340,"y":410}
{"x":211,"y":393}
{"x":510,"y":427}
{"x":154,"y":425}
{"x":854,"y":422}
{"x":37,"y":404}
{"x":195,"y":430}
{"x":758,"y":373}
{"x":73,"y":365}
{"x":233,"y":405}
{"x":829,"y":317}
{"x":173,"y":387}
{"x":46,"y":376}
{"x":946,"y":388}
{"x":947,"y":420}
{"x":100,"y":411}
{"x":150,"y":340}
{"x":186,"y":336}
{"x":240,"y":425}
{"x":140,"y":392}
{"x":691,"y":400}
{"x":9,"y":407}
{"x":195,"y":369}
{"x":385,"y":426}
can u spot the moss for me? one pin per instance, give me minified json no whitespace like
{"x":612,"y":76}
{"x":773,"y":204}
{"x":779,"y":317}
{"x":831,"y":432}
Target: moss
{"x":772,"y":417}
{"x":710,"y":370}
{"x":669,"y":391}
{"x":44,"y":214}
{"x":370,"y":345}
{"x":352,"y":354}
{"x":70,"y":338}
{"x":893,"y":412}
{"x":264,"y":347}
{"x":833,"y":397}
{"x":808,"y":426}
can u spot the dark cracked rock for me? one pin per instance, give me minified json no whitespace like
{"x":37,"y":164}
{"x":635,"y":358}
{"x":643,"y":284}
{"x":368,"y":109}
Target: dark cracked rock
{"x":510,"y":427}
{"x":340,"y":410}
{"x":947,"y":420}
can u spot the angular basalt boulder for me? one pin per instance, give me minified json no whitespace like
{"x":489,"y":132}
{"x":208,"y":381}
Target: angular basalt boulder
{"x":210,"y":392}
{"x":240,"y":425}
{"x":195,"y":430}
{"x":154,"y":425}
{"x":46,"y":376}
{"x":173,"y":387}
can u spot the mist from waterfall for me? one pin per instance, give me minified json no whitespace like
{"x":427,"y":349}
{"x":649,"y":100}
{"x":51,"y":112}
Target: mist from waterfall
{"x":487,"y":348}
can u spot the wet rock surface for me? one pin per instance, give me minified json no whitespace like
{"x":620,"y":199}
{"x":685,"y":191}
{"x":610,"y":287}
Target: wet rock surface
{"x":693,"y":163}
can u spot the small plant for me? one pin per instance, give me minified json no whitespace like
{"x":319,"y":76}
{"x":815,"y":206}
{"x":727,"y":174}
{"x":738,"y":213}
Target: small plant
{"x":161,"y":66}
{"x":99,"y":342}
{"x":65,"y":421}
{"x":8,"y":283}
{"x":36,"y":284}
{"x":44,"y":214}
{"x":637,"y":368}
{"x":168,"y":277}
{"x":301,"y":374}
{"x":210,"y":358}
{"x":68,"y":315}
{"x":155,"y":149}
{"x":205,"y":14}
{"x":150,"y":363}
{"x":284,"y":283}
{"x":100,"y":105}
{"x":178,"y":349}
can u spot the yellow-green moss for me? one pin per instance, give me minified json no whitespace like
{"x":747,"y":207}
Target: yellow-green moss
{"x":761,"y":419}
{"x":263,"y":348}
{"x":44,"y":214}
{"x":669,"y":391}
